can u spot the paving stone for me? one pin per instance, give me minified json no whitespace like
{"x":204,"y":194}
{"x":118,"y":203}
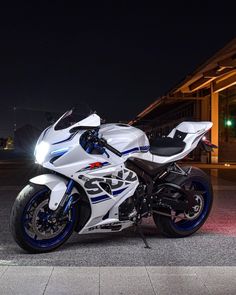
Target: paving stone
{"x":176,"y":280}
{"x":219,"y":280}
{"x":125,"y":280}
{"x":24,"y":280}
{"x":74,"y":281}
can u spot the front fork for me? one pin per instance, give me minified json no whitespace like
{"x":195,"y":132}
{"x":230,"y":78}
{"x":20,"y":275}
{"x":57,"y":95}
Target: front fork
{"x":67,"y":199}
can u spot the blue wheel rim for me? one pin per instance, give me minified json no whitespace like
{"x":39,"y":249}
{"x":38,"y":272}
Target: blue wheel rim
{"x":189,"y":225}
{"x":46,"y":244}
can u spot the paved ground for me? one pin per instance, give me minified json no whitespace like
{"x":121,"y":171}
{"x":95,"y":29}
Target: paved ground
{"x":204,"y":263}
{"x":117,"y":280}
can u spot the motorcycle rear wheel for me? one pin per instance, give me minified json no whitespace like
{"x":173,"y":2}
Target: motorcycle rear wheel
{"x":200,"y":181}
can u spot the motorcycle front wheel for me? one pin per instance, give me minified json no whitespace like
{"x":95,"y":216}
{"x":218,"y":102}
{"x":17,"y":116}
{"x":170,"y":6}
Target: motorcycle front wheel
{"x":184,"y":224}
{"x":34,"y":226}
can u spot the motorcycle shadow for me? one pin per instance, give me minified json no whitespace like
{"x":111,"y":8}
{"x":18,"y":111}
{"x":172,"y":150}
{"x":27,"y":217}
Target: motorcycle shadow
{"x":128,"y":236}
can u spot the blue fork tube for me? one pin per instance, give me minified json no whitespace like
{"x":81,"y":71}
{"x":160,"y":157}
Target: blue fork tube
{"x":69,"y":202}
{"x":70,"y":186}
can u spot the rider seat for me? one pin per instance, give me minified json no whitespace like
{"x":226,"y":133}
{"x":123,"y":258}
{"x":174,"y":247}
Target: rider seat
{"x":167,"y":146}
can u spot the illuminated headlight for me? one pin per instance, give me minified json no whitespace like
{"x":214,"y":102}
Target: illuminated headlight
{"x":41,"y":151}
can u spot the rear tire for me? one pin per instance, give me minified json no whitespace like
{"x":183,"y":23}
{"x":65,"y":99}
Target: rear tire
{"x":20,"y":222}
{"x":186,"y":228}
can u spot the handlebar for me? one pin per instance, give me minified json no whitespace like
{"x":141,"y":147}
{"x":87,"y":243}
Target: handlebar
{"x":92,"y":136}
{"x":104,"y":143}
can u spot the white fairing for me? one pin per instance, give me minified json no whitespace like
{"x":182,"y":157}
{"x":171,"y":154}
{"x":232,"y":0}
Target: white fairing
{"x":125,"y":138}
{"x":68,"y":158}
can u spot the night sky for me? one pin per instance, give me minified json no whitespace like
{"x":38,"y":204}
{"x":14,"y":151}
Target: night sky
{"x":115,"y":57}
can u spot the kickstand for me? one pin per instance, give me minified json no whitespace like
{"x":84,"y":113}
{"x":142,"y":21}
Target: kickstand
{"x":142,"y":236}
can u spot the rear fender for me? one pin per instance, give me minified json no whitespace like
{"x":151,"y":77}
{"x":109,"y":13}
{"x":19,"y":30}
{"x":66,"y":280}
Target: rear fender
{"x":207,"y":146}
{"x":57,"y":186}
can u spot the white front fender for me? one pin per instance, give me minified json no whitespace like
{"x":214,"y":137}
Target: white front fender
{"x":56,"y":184}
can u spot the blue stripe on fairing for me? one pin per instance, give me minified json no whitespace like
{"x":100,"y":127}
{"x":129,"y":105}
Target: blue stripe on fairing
{"x":119,"y":191}
{"x":67,"y":139}
{"x":57,"y":156}
{"x":100,"y":199}
{"x":144,"y":148}
{"x":141,"y":148}
{"x":130,"y":151}
{"x":59,"y":152}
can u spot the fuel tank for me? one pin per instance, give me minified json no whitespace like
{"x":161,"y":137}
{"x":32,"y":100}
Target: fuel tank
{"x":125,"y":138}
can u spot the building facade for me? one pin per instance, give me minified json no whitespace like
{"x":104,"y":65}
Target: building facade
{"x":208,"y":94}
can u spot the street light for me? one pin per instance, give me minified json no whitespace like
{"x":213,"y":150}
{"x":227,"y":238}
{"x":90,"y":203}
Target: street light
{"x":228,"y":123}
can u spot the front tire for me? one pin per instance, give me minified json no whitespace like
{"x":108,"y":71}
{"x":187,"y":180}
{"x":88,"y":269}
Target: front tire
{"x":31,"y":222}
{"x":201,"y":182}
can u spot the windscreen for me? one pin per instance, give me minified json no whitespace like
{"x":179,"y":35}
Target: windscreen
{"x":73,"y":116}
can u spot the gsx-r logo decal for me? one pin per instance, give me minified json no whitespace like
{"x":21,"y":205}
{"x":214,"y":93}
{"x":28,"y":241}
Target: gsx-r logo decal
{"x":93,"y":188}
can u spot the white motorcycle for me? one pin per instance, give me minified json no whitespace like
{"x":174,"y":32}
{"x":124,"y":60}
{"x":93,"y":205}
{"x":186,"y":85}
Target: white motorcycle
{"x":107,"y":177}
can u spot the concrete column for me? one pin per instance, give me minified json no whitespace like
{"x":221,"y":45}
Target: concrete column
{"x":215,"y":120}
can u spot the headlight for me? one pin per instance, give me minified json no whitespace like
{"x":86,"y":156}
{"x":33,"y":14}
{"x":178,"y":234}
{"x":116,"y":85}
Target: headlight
{"x":41,"y":151}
